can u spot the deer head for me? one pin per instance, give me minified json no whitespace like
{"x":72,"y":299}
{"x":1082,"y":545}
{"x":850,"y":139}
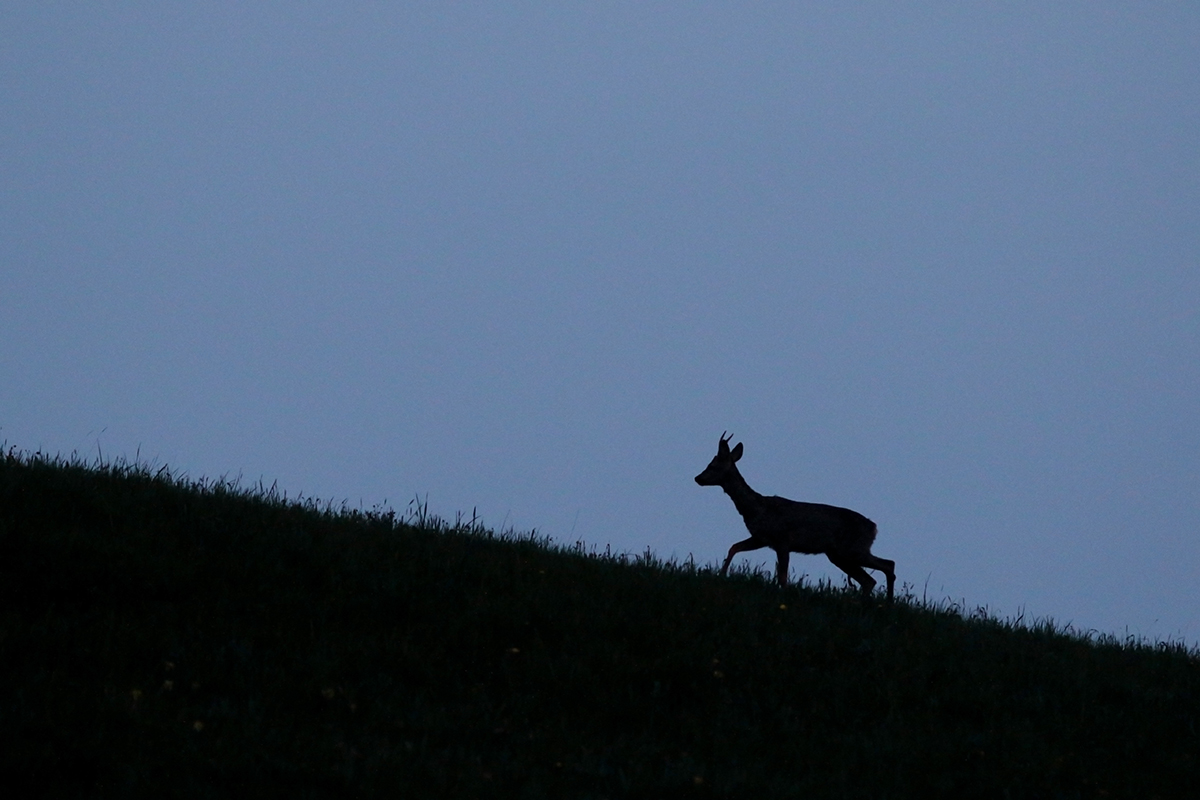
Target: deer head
{"x":722,"y":466}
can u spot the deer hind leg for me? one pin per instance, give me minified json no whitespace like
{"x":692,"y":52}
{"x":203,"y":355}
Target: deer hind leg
{"x":884,"y":565}
{"x":856,"y":572}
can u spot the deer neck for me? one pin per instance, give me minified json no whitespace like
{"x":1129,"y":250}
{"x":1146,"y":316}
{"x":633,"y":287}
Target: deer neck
{"x":747,"y":501}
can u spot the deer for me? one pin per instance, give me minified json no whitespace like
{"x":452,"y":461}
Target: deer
{"x":789,"y":526}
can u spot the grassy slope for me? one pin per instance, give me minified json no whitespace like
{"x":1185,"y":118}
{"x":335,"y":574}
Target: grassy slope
{"x":164,"y":638}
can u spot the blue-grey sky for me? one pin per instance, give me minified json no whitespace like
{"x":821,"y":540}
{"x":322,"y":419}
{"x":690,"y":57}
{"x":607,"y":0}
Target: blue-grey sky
{"x":937,"y":262}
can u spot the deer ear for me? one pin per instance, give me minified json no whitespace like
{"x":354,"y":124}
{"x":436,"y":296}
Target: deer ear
{"x":737,"y":452}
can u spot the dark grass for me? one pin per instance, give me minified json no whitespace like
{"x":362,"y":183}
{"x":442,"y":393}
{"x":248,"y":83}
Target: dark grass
{"x":165,"y":637}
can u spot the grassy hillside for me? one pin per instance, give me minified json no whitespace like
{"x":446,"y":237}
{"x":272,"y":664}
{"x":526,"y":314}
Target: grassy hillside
{"x":162,"y":637}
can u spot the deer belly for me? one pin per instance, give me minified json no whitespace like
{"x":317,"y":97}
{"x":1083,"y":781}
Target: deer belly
{"x":819,"y":539}
{"x":811,"y":541}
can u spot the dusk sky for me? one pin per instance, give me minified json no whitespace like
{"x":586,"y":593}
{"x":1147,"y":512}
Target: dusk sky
{"x":935,"y":262}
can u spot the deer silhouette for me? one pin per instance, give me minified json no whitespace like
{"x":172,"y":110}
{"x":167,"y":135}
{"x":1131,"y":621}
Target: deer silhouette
{"x":787,"y":526}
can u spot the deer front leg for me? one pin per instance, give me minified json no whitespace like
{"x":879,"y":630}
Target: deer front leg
{"x":781,"y":566}
{"x":741,"y":547}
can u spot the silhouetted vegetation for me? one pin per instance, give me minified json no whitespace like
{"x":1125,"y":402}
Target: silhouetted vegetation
{"x":167,"y":637}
